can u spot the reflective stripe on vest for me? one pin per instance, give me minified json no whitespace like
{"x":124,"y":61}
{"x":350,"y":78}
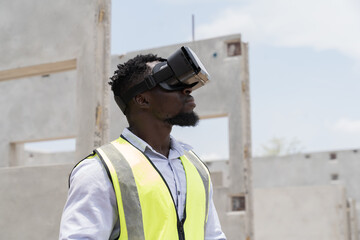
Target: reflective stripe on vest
{"x":145,"y":205}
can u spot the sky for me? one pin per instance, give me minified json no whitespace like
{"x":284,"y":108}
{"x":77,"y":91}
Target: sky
{"x":304,"y":59}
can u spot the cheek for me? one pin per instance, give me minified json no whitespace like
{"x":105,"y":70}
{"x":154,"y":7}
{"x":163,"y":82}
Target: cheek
{"x":169,"y":107}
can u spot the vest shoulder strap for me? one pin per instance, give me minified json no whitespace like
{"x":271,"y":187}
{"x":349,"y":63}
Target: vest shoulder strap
{"x":113,"y":157}
{"x":204,"y":174}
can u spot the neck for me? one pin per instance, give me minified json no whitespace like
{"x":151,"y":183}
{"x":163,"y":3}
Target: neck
{"x":156,"y":134}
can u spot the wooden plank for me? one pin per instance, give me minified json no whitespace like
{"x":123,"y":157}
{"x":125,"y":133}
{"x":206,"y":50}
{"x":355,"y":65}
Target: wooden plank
{"x":42,"y":139}
{"x":36,"y":70}
{"x":214,"y":116}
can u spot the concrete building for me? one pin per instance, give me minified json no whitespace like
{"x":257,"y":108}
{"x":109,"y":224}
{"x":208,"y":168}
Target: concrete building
{"x":333,"y":168}
{"x":310,"y":195}
{"x":53,"y":85}
{"x":50,"y":47}
{"x":313,"y":213}
{"x":54,"y":69}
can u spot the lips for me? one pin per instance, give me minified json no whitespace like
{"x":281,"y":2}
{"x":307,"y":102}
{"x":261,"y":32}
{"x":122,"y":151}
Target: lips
{"x":190,"y":101}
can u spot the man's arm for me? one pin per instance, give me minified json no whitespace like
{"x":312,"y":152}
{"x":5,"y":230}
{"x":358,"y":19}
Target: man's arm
{"x":213,"y":228}
{"x":90,"y":210}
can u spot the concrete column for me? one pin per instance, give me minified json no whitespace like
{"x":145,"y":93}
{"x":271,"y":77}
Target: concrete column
{"x":240,"y":170}
{"x":352,"y":219}
{"x":247,"y":151}
{"x":92,"y":88}
{"x":17,"y":154}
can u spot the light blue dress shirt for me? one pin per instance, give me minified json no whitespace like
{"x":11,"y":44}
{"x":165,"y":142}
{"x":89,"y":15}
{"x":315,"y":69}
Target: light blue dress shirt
{"x":91,"y":211}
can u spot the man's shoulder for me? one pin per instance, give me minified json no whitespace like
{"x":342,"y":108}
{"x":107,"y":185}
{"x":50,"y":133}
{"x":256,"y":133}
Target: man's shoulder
{"x":88,"y":169}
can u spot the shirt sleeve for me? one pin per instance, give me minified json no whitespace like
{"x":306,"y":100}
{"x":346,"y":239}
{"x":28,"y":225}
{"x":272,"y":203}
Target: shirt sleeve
{"x":90,"y":211}
{"x":213,"y":228}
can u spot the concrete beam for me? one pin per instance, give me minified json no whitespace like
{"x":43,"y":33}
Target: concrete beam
{"x":40,"y":69}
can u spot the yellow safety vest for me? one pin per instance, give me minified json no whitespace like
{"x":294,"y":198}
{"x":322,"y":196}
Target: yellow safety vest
{"x":145,"y":205}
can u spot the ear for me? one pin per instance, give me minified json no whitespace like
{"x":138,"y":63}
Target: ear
{"x":141,"y":100}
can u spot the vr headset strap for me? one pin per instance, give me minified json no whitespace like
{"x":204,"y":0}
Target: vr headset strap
{"x":149,"y":82}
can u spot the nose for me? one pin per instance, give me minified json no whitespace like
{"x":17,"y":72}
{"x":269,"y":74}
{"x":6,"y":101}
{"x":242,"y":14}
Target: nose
{"x":187,"y":90}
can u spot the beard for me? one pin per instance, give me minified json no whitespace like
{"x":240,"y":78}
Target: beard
{"x":184,"y":119}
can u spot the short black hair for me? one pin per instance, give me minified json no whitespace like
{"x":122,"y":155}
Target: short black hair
{"x":131,"y":72}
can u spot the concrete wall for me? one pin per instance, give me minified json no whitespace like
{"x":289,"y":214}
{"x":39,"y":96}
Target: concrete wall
{"x":36,"y":108}
{"x":54,"y":66}
{"x":35,"y":33}
{"x":33,"y":158}
{"x":233,"y":223}
{"x":39,"y":103}
{"x":32,"y":200}
{"x":353,"y":219}
{"x":42,"y":31}
{"x":65,"y":104}
{"x":219,"y":171}
{"x":308,"y":169}
{"x":311,"y":169}
{"x":304,"y":170}
{"x":43,"y":107}
{"x":297,"y":213}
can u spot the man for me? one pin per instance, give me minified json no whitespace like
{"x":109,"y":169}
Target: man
{"x":146,"y":185}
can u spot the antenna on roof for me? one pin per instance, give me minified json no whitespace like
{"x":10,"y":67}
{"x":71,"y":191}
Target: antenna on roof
{"x":193,"y":27}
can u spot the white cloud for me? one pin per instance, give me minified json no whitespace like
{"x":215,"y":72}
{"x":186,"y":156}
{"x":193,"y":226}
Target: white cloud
{"x":321,"y":24}
{"x":213,"y":156}
{"x":346,"y":125}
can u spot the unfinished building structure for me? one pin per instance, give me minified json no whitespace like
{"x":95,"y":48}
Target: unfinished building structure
{"x":309,"y":195}
{"x":56,"y":59}
{"x":321,"y":185}
{"x":53,"y":85}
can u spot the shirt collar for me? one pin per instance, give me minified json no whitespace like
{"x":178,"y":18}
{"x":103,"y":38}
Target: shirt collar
{"x":143,"y":146}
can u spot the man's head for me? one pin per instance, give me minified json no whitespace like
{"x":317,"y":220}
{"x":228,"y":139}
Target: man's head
{"x":149,"y":83}
{"x":131,"y":73}
{"x":182,"y":69}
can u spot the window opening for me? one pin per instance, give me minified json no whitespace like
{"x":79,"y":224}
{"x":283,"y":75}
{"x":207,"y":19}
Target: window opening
{"x":333,"y":156}
{"x":210,"y":138}
{"x":233,"y":48}
{"x":334,"y":176}
{"x":51,"y":146}
{"x":238,"y":203}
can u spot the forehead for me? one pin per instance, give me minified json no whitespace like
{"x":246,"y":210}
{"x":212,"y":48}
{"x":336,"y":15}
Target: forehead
{"x":152,"y":64}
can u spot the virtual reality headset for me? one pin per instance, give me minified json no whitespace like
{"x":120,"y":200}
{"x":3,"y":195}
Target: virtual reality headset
{"x":183,"y":69}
